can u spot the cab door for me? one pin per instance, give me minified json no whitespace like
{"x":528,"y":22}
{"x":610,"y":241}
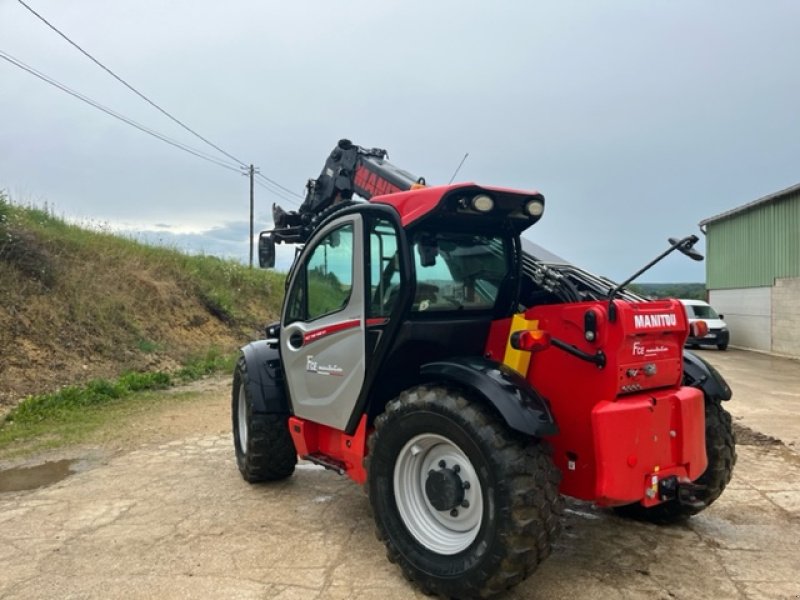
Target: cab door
{"x":322,"y":327}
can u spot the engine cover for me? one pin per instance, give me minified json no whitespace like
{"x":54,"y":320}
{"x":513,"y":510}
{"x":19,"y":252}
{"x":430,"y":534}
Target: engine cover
{"x":629,"y":420}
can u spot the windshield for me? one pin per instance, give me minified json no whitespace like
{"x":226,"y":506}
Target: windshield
{"x":702,"y":311}
{"x":458,"y":271}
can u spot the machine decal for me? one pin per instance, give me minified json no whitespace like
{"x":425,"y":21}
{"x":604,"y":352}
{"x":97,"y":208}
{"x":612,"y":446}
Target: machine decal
{"x":318,"y":334}
{"x":655,"y":321}
{"x":640,"y":349}
{"x":313,"y":367}
{"x":373,"y":183}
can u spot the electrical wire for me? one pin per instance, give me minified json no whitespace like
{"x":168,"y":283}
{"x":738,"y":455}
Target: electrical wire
{"x":199,"y":153}
{"x":129,"y":86}
{"x":278,"y":185}
{"x":277,"y":193}
{"x":157,"y":107}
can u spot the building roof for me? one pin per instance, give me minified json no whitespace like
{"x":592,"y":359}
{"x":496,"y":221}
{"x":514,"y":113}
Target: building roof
{"x":751,"y":205}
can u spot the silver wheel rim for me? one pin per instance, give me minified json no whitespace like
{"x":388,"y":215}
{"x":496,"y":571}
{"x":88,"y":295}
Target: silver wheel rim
{"x":241,"y":419}
{"x":443,"y":532}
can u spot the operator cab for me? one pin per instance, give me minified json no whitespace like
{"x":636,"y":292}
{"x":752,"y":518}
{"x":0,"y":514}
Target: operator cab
{"x":378,"y":291}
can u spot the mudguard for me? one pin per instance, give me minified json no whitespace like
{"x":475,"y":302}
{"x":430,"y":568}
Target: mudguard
{"x":265,"y":378}
{"x":522,"y":408}
{"x":700,"y":374}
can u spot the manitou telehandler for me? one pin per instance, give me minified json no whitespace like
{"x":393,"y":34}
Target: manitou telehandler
{"x":467,"y":382}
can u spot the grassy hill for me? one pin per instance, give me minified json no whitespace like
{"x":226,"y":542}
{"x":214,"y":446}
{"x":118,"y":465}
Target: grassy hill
{"x":76,"y":305}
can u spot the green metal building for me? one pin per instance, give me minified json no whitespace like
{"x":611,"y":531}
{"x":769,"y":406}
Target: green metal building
{"x":753,"y":271}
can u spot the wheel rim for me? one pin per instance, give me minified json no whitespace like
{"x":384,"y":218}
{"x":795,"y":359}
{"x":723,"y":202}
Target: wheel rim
{"x":241,"y":419}
{"x":447,"y":531}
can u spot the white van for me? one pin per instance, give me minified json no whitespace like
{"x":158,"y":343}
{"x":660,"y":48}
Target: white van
{"x":718,"y":334}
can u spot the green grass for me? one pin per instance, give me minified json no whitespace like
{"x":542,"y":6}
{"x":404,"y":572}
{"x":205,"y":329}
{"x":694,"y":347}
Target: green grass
{"x":101,"y":274}
{"x":70,"y":414}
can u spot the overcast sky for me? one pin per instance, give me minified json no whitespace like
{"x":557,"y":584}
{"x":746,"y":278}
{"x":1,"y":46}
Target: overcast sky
{"x":636,"y":119}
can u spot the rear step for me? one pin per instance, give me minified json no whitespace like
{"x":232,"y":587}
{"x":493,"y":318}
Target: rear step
{"x":327,"y":462}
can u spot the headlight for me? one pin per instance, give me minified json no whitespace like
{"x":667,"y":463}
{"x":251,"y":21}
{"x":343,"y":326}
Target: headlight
{"x":482,"y":203}
{"x":534,"y":208}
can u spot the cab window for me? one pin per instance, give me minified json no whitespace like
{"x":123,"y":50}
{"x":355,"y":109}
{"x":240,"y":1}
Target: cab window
{"x":384,"y":268}
{"x":458,"y":271}
{"x":324,"y":283}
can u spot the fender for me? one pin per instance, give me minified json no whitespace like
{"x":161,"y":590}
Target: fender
{"x":265,"y":381}
{"x":521,"y":406}
{"x":698,"y":373}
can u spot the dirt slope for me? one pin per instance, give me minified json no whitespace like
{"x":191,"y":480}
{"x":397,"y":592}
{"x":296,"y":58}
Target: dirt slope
{"x":78,"y":304}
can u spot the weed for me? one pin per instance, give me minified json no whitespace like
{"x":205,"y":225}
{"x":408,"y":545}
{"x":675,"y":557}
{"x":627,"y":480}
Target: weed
{"x":72,"y":406}
{"x":148,"y":346}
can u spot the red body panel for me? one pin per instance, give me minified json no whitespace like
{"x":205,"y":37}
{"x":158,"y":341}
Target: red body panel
{"x":312,"y":440}
{"x":498,"y":339}
{"x":415,"y":204}
{"x":624,"y":423}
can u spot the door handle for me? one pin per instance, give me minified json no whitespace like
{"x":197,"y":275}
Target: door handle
{"x":296,"y":340}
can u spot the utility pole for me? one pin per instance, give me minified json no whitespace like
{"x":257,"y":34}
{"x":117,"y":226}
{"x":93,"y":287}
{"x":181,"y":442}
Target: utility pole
{"x":251,"y":171}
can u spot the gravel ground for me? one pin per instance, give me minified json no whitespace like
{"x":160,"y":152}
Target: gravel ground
{"x":163,"y":513}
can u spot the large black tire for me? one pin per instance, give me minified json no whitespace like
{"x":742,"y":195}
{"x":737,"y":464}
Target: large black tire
{"x":721,"y":452}
{"x":489,"y":537}
{"x":722,"y":347}
{"x":264,"y":447}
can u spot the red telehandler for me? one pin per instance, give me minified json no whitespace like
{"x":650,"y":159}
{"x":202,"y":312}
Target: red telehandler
{"x":468,"y":383}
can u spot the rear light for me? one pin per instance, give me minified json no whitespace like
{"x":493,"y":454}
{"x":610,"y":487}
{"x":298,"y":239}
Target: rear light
{"x":699,"y":329}
{"x":530,"y":341}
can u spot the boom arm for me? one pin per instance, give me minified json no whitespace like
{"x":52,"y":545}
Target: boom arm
{"x":349,"y":169}
{"x":353,"y":169}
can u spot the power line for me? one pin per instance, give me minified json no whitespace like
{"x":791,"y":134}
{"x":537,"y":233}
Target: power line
{"x":129,"y":86}
{"x":200,"y":154}
{"x":278,"y":185}
{"x":276,"y":192}
{"x":152,"y":103}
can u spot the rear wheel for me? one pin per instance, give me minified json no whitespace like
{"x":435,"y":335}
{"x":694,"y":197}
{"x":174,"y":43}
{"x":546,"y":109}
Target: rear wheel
{"x":264,"y":447}
{"x":464,"y":505}
{"x":722,"y":347}
{"x":721,"y":452}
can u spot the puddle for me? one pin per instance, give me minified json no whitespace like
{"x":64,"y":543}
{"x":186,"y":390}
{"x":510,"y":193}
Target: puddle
{"x":30,"y":478}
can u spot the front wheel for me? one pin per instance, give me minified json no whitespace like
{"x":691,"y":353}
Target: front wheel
{"x":464,"y":505}
{"x":264,"y":448}
{"x":721,"y":453}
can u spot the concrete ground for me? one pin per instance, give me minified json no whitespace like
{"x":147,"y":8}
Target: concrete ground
{"x":172,"y":518}
{"x":766,"y":391}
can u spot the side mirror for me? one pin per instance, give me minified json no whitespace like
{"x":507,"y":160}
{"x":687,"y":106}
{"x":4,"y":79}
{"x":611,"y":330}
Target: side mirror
{"x":686,"y":246}
{"x":427,"y":253}
{"x":721,"y":317}
{"x":266,"y":251}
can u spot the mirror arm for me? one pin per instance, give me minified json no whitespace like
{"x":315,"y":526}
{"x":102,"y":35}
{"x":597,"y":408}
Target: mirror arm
{"x":689,"y":240}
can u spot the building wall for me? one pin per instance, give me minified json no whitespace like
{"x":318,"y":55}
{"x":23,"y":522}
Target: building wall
{"x":748,"y":314}
{"x":752,"y":248}
{"x":786,"y":317}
